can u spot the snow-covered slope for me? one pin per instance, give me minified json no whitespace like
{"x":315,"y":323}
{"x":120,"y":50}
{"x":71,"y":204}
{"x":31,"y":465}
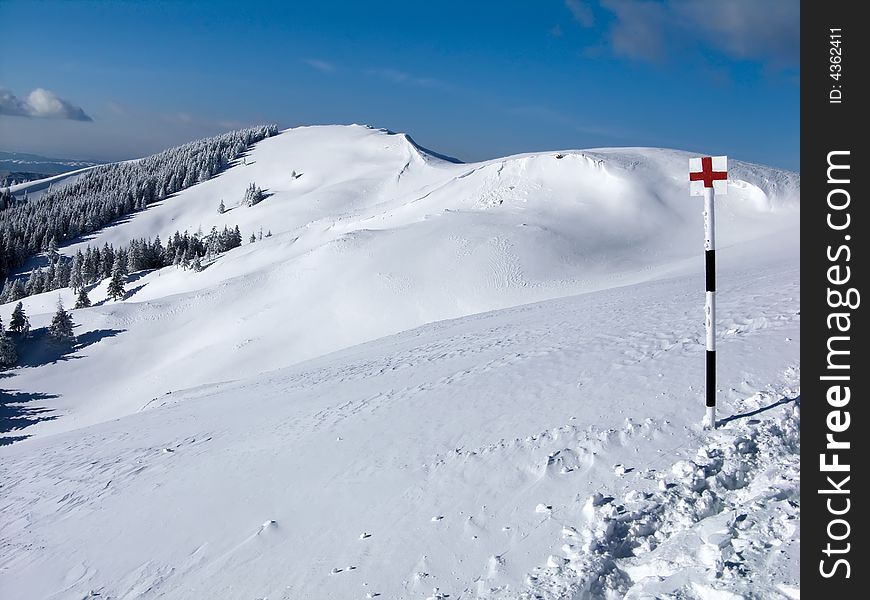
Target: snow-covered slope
{"x":434,"y":380}
{"x":376,"y":236}
{"x":546,"y":451}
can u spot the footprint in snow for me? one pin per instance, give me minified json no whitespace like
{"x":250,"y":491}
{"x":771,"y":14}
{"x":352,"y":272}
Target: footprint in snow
{"x":337,"y":570}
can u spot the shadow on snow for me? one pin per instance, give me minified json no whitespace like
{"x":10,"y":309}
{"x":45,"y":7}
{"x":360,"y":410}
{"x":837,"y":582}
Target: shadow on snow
{"x":796,"y":400}
{"x":15,"y":414}
{"x":42,"y":350}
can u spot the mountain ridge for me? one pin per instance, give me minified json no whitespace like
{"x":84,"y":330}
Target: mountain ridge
{"x":370,"y":239}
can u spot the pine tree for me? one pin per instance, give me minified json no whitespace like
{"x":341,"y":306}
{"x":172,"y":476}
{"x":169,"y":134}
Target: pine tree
{"x":82,"y":301}
{"x":61,"y":328}
{"x":107,"y":261}
{"x":17,"y":291}
{"x":135,"y":256}
{"x":221,"y":208}
{"x":253,"y":195}
{"x":121,"y":259}
{"x":8,"y":353}
{"x":53,"y":253}
{"x":34,"y":283}
{"x":62,"y":270}
{"x":253,"y":238}
{"x":116,"y":285}
{"x":158,"y":253}
{"x":89,"y":269}
{"x":19,"y":322}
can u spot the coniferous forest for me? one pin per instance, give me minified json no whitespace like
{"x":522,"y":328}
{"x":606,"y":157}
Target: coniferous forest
{"x":102,"y":195}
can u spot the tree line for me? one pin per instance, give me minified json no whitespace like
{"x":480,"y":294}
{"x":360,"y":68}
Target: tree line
{"x":96,"y":264}
{"x":108,"y":192}
{"x":93,"y":265}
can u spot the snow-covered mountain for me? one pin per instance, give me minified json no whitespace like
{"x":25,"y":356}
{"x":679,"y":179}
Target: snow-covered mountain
{"x":22,"y":161}
{"x":375,"y":236}
{"x":335,"y":411}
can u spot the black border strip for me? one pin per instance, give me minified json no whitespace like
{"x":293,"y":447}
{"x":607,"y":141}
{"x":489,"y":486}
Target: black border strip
{"x":828,"y":126}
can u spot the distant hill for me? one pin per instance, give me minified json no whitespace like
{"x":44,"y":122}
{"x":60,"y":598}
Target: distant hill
{"x":20,"y":167}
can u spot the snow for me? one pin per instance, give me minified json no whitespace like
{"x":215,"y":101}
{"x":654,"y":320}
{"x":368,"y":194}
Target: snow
{"x":434,"y":380}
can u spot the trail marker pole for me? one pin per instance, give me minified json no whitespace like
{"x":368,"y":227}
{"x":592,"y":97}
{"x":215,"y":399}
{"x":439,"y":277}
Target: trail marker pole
{"x":708,"y":175}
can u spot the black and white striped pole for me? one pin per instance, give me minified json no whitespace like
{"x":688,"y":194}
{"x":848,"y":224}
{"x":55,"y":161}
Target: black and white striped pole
{"x":707,"y":176}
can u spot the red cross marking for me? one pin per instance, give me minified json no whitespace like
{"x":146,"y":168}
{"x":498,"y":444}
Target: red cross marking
{"x":707,"y":174}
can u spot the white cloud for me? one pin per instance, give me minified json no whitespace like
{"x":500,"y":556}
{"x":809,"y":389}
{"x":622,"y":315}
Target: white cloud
{"x":742,"y":29}
{"x":640,"y":29}
{"x":40,"y":103}
{"x":582,"y":12}
{"x":748,"y":28}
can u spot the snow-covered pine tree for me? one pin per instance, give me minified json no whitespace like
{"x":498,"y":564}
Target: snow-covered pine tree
{"x":8,"y":353}
{"x":253,"y":195}
{"x":136,"y":256}
{"x":89,"y":267}
{"x":107,"y":261}
{"x":121,"y":258}
{"x":75,"y":273}
{"x":116,"y":285}
{"x":16,"y":292}
{"x":82,"y":301}
{"x":52,"y":252}
{"x":19,"y":322}
{"x":62,"y":270}
{"x":221,"y":208}
{"x":34,"y":283}
{"x":61,"y":328}
{"x":6,"y":198}
{"x":158,"y":254}
{"x":253,"y":238}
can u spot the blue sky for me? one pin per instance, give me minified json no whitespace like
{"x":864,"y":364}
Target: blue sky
{"x":113,"y":80}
